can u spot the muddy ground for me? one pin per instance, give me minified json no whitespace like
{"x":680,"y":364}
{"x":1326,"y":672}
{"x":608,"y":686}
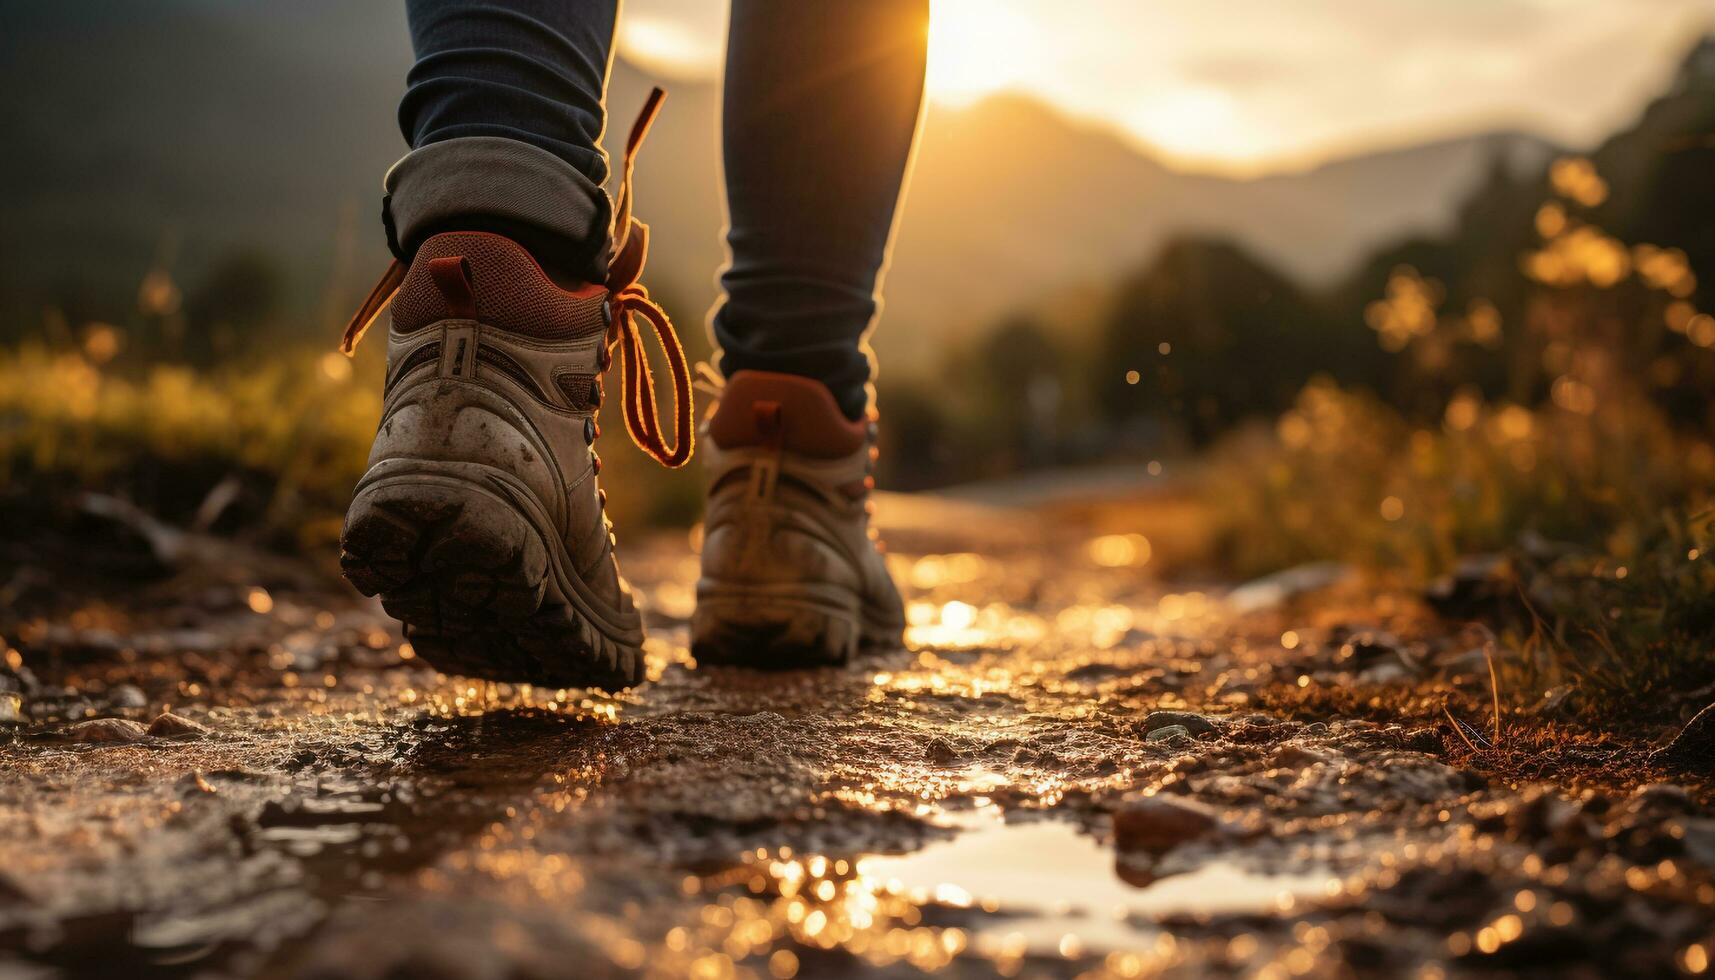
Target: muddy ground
{"x":214,"y":763}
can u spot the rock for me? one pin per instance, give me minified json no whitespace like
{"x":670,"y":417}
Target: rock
{"x":11,"y":709}
{"x":1693,"y":749}
{"x":1699,"y":838}
{"x":1296,"y":756}
{"x":169,"y":725}
{"x":132,"y":541}
{"x":103,"y":731}
{"x":1540,"y":811}
{"x":26,"y":681}
{"x":1367,"y":650}
{"x":1168,"y":733}
{"x":127,"y":696}
{"x":1272,"y":590}
{"x":1159,"y":823}
{"x":940,"y":751}
{"x":1193,"y":723}
{"x":1387,"y":673}
{"x":1661,"y":798}
{"x":1479,"y":586}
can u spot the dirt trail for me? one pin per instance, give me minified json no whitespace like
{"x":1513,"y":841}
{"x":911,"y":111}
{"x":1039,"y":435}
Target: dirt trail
{"x":1000,"y":798}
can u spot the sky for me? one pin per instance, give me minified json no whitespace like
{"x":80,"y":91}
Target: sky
{"x":1254,"y":86}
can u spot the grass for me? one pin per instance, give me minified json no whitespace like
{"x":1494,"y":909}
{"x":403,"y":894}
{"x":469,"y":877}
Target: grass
{"x":293,"y":430}
{"x":1600,"y":500}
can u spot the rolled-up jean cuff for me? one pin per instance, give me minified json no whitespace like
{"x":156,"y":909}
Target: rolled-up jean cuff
{"x":491,"y":177}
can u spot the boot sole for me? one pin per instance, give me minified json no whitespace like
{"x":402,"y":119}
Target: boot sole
{"x":782,"y":628}
{"x":477,"y":584}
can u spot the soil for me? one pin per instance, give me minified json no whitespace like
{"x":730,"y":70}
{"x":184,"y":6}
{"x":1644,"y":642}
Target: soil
{"x":215,"y":761}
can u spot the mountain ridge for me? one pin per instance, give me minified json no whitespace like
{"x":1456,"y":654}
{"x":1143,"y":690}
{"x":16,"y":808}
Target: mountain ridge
{"x":241,"y":127}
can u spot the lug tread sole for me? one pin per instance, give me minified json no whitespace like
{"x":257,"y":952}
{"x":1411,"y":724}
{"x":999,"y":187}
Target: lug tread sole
{"x":771,"y":632}
{"x":472,"y":580}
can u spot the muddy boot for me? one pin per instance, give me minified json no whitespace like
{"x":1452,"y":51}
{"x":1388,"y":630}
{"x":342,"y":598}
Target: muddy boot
{"x":792,"y":574}
{"x":479,"y":522}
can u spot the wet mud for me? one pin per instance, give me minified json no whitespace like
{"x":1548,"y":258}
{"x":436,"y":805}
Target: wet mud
{"x":1075,"y":769}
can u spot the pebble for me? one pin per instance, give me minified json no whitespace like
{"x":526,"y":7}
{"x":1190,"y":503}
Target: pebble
{"x":1159,"y":823}
{"x":169,"y":725}
{"x":18,"y":680}
{"x":127,"y":696}
{"x":11,"y":709}
{"x":1168,"y":733}
{"x":940,"y":751}
{"x":109,"y":731}
{"x":1663,"y":798}
{"x":1193,"y":723}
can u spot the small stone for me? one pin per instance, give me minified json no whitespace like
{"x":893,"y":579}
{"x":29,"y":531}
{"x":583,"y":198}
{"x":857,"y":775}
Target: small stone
{"x":1168,"y":733}
{"x":104,"y":731}
{"x":1193,"y":723}
{"x":127,"y":696}
{"x":1159,"y":823}
{"x":940,"y":751}
{"x":1297,"y":756}
{"x":1662,"y":798}
{"x":1386,"y":673}
{"x":11,"y":709}
{"x":169,"y":725}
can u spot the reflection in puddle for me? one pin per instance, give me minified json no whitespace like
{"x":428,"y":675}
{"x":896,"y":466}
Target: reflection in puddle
{"x":1053,"y":882}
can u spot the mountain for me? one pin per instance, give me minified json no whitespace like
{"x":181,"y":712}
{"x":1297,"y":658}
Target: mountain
{"x":185,"y":130}
{"x":1011,"y":201}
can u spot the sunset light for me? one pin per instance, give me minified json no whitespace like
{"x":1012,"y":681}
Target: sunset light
{"x":964,"y":489}
{"x":976,"y":49}
{"x":1247,"y":87}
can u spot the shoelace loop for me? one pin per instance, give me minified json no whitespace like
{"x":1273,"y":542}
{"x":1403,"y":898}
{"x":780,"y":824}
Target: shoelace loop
{"x":628,"y":299}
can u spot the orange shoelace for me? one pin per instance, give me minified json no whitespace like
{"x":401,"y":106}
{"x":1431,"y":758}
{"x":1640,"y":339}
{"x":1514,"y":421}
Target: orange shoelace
{"x":628,"y":299}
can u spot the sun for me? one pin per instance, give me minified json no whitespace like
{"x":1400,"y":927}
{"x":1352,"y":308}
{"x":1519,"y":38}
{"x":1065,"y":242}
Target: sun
{"x":976,"y":47}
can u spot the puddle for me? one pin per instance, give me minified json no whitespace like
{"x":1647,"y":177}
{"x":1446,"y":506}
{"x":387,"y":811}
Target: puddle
{"x":1051,"y":882}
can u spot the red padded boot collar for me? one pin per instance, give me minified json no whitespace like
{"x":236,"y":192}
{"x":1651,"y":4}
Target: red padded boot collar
{"x":797,"y":414}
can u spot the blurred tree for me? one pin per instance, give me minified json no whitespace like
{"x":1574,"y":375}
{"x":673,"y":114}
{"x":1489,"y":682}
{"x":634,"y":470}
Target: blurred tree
{"x":1018,"y":381}
{"x":239,"y":297}
{"x":1207,"y":335}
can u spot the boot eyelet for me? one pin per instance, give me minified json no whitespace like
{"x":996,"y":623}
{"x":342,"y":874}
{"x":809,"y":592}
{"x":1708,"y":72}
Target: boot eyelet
{"x":595,"y":464}
{"x":607,"y":312}
{"x":604,"y":359}
{"x":596,"y":395}
{"x":591,"y":430}
{"x":601,"y":499}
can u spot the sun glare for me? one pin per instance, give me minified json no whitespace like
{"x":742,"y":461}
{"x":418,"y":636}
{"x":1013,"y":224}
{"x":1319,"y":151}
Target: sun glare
{"x":976,"y":47}
{"x":668,"y":46}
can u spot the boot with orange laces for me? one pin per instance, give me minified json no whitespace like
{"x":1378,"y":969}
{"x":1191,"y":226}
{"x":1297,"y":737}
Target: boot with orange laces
{"x":792,"y":575}
{"x":479,"y":521}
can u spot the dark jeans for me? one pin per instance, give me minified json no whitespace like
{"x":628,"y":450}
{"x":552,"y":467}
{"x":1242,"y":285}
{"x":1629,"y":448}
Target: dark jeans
{"x":505,"y":104}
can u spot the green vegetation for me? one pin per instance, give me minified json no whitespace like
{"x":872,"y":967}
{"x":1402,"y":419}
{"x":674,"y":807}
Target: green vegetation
{"x":294,"y":431}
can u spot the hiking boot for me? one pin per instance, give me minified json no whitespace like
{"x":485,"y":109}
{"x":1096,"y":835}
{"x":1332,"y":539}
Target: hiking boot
{"x":479,"y":522}
{"x":792,"y":573}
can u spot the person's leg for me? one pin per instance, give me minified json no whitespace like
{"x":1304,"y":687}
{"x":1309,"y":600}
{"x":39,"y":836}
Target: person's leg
{"x":822,"y":101}
{"x":821,"y":107}
{"x":504,"y":114}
